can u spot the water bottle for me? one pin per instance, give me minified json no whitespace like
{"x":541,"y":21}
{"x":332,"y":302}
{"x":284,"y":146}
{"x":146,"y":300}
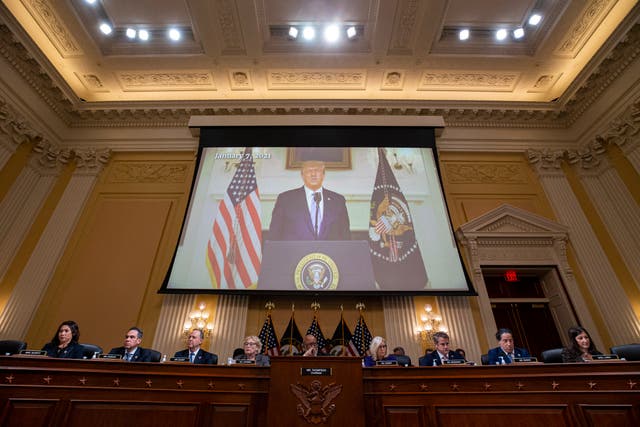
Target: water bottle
{"x":434,"y":363}
{"x":164,"y":358}
{"x":502,"y":362}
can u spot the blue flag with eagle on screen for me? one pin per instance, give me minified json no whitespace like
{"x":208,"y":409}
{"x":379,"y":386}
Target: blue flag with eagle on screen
{"x":395,"y":255}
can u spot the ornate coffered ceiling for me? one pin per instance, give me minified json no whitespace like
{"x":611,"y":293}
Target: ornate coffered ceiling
{"x":235,"y":58}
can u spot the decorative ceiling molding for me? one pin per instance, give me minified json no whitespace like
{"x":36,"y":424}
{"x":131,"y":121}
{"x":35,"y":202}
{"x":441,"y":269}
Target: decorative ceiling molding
{"x":592,"y":15}
{"x":54,"y":27}
{"x":137,"y":81}
{"x":468,"y":80}
{"x":317,"y":79}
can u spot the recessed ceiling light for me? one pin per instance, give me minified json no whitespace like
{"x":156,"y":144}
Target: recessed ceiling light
{"x":501,"y":34}
{"x":331,"y":33}
{"x":174,"y":34}
{"x":463,"y":34}
{"x":518,"y":33}
{"x":90,"y":1}
{"x":293,"y":32}
{"x":351,"y":32}
{"x":131,"y":33}
{"x":309,"y":33}
{"x":143,"y":35}
{"x":106,"y":28}
{"x":535,"y":19}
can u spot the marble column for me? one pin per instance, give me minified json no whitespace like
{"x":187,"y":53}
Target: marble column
{"x":602,"y":282}
{"x":32,"y":283}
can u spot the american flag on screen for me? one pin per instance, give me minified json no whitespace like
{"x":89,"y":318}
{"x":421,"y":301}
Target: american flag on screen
{"x":270,"y":344}
{"x":342,"y":337}
{"x":234,"y":249}
{"x":314,"y":329}
{"x":361,"y":338}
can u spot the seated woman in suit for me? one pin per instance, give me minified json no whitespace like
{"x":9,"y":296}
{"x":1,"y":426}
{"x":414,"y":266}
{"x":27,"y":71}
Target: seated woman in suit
{"x":64,"y":343}
{"x":252,"y":347}
{"x":378,"y":352}
{"x":581,"y":348}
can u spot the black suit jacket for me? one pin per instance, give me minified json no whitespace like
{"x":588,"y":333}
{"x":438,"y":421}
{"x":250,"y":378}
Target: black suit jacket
{"x":202,"y":357}
{"x":71,"y":351}
{"x":495,"y":353}
{"x":427,"y":359}
{"x":291,"y":219}
{"x":141,"y":354}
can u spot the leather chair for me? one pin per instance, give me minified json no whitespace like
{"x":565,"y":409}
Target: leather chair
{"x":9,"y":347}
{"x":552,"y":356}
{"x":484,"y":359}
{"x":90,"y":350}
{"x":403,"y":361}
{"x":156,"y":356}
{"x":627,"y":351}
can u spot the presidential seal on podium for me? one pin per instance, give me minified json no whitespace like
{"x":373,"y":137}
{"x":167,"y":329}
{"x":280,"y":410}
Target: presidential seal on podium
{"x":316,"y":272}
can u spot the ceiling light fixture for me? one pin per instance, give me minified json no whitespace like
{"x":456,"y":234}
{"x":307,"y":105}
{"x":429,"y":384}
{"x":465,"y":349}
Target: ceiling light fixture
{"x":90,"y":1}
{"x":501,"y":34}
{"x":518,"y":33}
{"x":131,"y":33}
{"x":143,"y":35}
{"x":331,"y":33}
{"x":293,"y":32}
{"x":351,"y":32}
{"x":105,"y":28}
{"x":463,"y":34}
{"x":308,"y":33}
{"x":535,"y":19}
{"x":174,"y":34}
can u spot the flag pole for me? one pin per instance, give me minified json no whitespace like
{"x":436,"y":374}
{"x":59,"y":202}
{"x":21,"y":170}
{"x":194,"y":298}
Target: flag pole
{"x":361,"y":307}
{"x":293,"y":321}
{"x":342,"y":351}
{"x":268,"y":306}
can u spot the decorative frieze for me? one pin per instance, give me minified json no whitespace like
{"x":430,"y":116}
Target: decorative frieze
{"x":591,"y":16}
{"x":148,"y":172}
{"x":317,"y":79}
{"x":479,"y":80}
{"x":487,"y":173}
{"x":54,"y":27}
{"x":168,"y":80}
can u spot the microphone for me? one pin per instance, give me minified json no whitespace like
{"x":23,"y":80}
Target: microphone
{"x":317,"y":197}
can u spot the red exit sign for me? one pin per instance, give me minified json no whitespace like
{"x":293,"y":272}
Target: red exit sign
{"x":511,"y":276}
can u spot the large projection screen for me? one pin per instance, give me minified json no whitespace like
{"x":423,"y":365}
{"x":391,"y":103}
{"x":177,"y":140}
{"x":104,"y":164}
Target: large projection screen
{"x":379,"y":225}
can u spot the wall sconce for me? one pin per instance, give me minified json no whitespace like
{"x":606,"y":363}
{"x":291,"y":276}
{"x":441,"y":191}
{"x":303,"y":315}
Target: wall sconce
{"x":198,"y":319}
{"x":403,"y":160}
{"x":429,"y":324}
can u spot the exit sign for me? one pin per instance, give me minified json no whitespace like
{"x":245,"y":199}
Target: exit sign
{"x":511,"y":276}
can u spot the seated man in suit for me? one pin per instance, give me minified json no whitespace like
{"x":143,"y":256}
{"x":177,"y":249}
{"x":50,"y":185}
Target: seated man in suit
{"x":194,"y":352}
{"x":131,"y":350}
{"x":505,"y":351}
{"x":310,"y":212}
{"x":310,"y":346}
{"x":441,"y":354}
{"x":403,"y":359}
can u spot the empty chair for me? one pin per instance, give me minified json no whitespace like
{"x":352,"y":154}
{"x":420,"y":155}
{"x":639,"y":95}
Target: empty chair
{"x":552,"y":356}
{"x":627,"y":351}
{"x":403,"y":360}
{"x":89,"y":350}
{"x":9,"y":347}
{"x":156,"y":356}
{"x":484,"y":359}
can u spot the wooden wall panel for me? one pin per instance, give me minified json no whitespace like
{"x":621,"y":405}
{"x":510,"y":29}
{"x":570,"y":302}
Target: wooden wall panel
{"x":28,"y":412}
{"x":503,"y":416}
{"x":404,"y":416}
{"x":609,"y":415}
{"x":229,"y":415}
{"x":122,"y":413}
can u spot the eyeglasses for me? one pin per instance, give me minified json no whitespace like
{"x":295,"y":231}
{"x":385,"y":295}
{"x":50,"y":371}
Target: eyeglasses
{"x":251,"y":343}
{"x":383,"y":345}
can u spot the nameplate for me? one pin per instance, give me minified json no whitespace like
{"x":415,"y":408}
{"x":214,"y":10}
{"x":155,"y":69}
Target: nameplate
{"x":245,"y":362}
{"x":524,"y":359}
{"x":386,"y":363}
{"x":605,"y":357}
{"x":321,"y":372}
{"x":455,"y":362}
{"x":179,"y":359}
{"x":109,"y":356}
{"x":33,"y":352}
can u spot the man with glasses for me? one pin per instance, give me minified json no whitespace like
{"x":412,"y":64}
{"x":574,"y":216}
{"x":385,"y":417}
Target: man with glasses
{"x":131,"y":350}
{"x":194,"y":353}
{"x":310,"y":346}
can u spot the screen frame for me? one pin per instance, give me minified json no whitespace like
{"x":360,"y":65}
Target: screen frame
{"x":240,"y":133}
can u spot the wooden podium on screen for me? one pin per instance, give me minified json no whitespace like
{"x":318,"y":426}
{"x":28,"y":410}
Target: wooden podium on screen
{"x":324,"y":391}
{"x":316,"y":265}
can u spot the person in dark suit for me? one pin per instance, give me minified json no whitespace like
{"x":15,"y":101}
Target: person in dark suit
{"x":310,"y":212}
{"x":252,"y":351}
{"x":193,"y":351}
{"x":441,"y":353}
{"x":131,"y":350}
{"x":581,"y":349}
{"x":64,"y":343}
{"x":310,"y":346}
{"x":506,"y":351}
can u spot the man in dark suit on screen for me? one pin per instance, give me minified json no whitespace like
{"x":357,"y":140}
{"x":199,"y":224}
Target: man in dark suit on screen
{"x":310,"y":212}
{"x":193,"y":351}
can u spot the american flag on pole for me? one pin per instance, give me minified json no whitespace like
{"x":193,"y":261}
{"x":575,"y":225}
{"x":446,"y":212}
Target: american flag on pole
{"x":361,"y":338}
{"x":270,"y":344}
{"x":342,"y":337}
{"x":234,"y":249}
{"x":291,"y":341}
{"x":314,"y":329}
